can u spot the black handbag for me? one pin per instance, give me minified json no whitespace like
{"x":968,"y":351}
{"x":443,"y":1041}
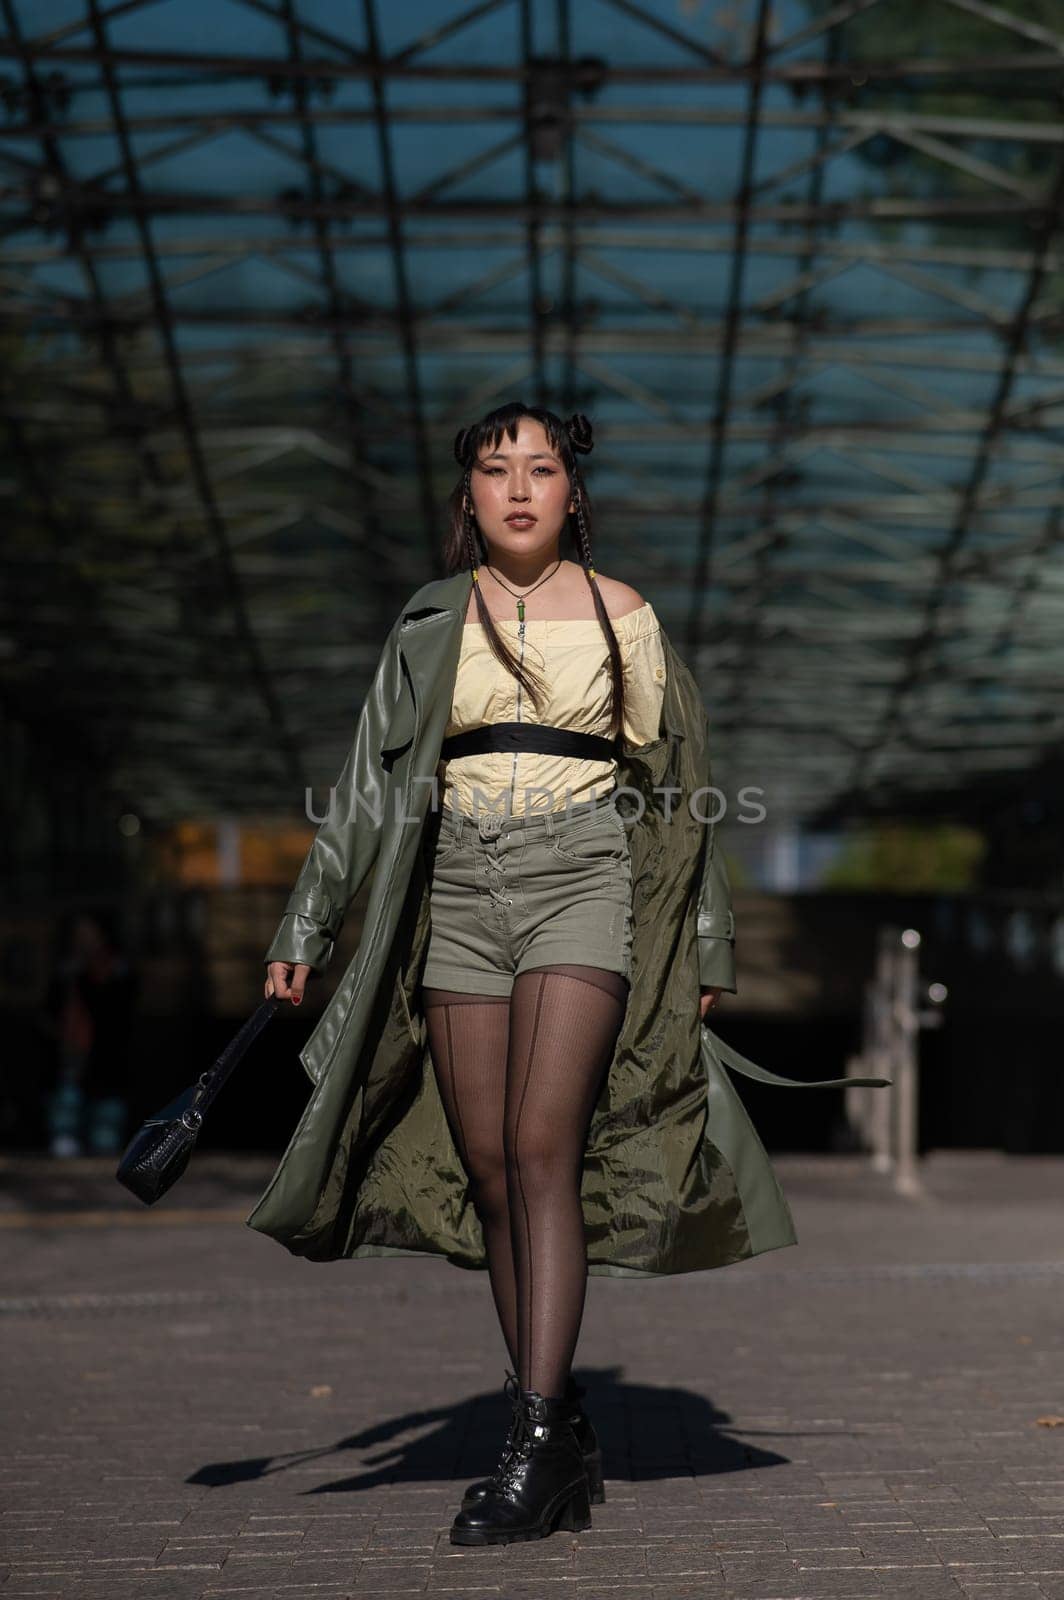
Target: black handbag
{"x":158,"y":1154}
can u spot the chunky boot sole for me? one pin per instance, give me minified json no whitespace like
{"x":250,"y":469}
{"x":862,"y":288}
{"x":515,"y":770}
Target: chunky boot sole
{"x":570,"y":1510}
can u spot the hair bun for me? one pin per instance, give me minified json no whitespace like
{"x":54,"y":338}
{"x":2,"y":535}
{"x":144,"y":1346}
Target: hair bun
{"x":462,"y":440}
{"x":578,"y":428}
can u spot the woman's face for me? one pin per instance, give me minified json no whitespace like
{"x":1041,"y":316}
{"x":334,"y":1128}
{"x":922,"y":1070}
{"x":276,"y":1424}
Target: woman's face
{"x":521,"y":479}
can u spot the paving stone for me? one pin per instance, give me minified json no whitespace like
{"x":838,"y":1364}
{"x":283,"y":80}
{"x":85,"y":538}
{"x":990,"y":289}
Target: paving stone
{"x":1000,"y":1589}
{"x":853,"y":1419}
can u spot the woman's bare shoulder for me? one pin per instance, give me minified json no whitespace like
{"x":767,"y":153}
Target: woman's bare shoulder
{"x":619,"y":598}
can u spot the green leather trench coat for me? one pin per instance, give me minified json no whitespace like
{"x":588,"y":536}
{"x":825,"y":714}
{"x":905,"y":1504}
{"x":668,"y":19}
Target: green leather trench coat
{"x":675,"y":1178}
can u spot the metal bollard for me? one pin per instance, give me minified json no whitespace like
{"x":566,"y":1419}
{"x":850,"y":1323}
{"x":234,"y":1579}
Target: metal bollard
{"x":889,"y":1126}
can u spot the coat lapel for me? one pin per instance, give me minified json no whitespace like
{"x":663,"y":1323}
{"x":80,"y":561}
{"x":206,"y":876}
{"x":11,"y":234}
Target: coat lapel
{"x":430,"y":637}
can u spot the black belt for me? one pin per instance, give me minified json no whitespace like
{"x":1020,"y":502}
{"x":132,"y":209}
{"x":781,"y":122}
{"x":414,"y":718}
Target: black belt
{"x":536,"y":736}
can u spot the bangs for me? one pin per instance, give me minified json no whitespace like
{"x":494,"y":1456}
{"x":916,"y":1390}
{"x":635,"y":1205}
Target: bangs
{"x":506,"y":421}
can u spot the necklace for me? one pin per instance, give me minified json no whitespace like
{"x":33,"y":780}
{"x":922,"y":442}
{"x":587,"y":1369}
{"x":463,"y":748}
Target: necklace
{"x":520,"y":598}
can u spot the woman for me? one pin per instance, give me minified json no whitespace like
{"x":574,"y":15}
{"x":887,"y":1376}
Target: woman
{"x":555,"y":958}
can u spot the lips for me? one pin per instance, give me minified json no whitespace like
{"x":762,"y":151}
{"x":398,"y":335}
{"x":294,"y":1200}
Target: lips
{"x":521,"y":516}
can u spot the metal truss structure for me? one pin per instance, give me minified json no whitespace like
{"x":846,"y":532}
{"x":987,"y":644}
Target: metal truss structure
{"x":799,"y":260}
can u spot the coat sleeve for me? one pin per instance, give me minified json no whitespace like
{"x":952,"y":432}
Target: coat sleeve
{"x":347,"y":842}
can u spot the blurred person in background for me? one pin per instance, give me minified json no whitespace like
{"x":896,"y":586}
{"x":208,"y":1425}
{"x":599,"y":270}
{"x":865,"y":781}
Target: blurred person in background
{"x":89,"y":1009}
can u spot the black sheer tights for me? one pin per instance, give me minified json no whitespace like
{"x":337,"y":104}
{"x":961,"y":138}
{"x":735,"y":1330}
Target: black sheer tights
{"x":519,"y":1078}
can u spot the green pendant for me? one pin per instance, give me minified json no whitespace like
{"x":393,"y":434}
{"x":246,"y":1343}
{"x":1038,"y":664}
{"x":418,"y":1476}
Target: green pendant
{"x":520,"y":611}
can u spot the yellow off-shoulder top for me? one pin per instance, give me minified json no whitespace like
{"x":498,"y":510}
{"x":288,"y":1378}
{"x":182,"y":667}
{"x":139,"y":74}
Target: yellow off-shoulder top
{"x":573,"y":658}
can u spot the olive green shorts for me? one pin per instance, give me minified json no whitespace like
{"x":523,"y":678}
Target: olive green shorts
{"x":513,"y":892}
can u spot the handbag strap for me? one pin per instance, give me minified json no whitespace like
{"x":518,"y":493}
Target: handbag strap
{"x":211,"y":1081}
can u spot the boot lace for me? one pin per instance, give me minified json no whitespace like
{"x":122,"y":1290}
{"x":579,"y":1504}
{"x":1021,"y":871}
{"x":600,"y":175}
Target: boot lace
{"x":520,"y":1448}
{"x":511,"y":1388}
{"x":521,"y":1440}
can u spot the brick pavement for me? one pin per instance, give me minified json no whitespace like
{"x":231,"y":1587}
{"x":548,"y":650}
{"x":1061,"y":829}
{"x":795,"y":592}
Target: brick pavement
{"x":190,"y":1412}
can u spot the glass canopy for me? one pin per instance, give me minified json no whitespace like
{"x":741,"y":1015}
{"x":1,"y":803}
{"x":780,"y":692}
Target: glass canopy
{"x":800,"y":261}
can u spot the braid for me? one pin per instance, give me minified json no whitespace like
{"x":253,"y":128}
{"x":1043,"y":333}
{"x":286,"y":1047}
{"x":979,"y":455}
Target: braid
{"x":579,"y":431}
{"x":583,"y":540}
{"x":468,"y":522}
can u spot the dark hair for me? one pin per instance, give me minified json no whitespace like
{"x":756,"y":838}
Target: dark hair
{"x":465,"y":547}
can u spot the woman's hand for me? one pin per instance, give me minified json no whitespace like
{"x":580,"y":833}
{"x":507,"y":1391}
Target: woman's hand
{"x":707,"y":1000}
{"x":280,"y":982}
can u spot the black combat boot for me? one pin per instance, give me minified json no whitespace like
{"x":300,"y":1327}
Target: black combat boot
{"x":543,"y":1485}
{"x":586,"y":1438}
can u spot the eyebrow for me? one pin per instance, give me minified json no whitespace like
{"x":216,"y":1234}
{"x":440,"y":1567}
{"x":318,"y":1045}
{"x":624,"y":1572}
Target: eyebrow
{"x":501,"y":455}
